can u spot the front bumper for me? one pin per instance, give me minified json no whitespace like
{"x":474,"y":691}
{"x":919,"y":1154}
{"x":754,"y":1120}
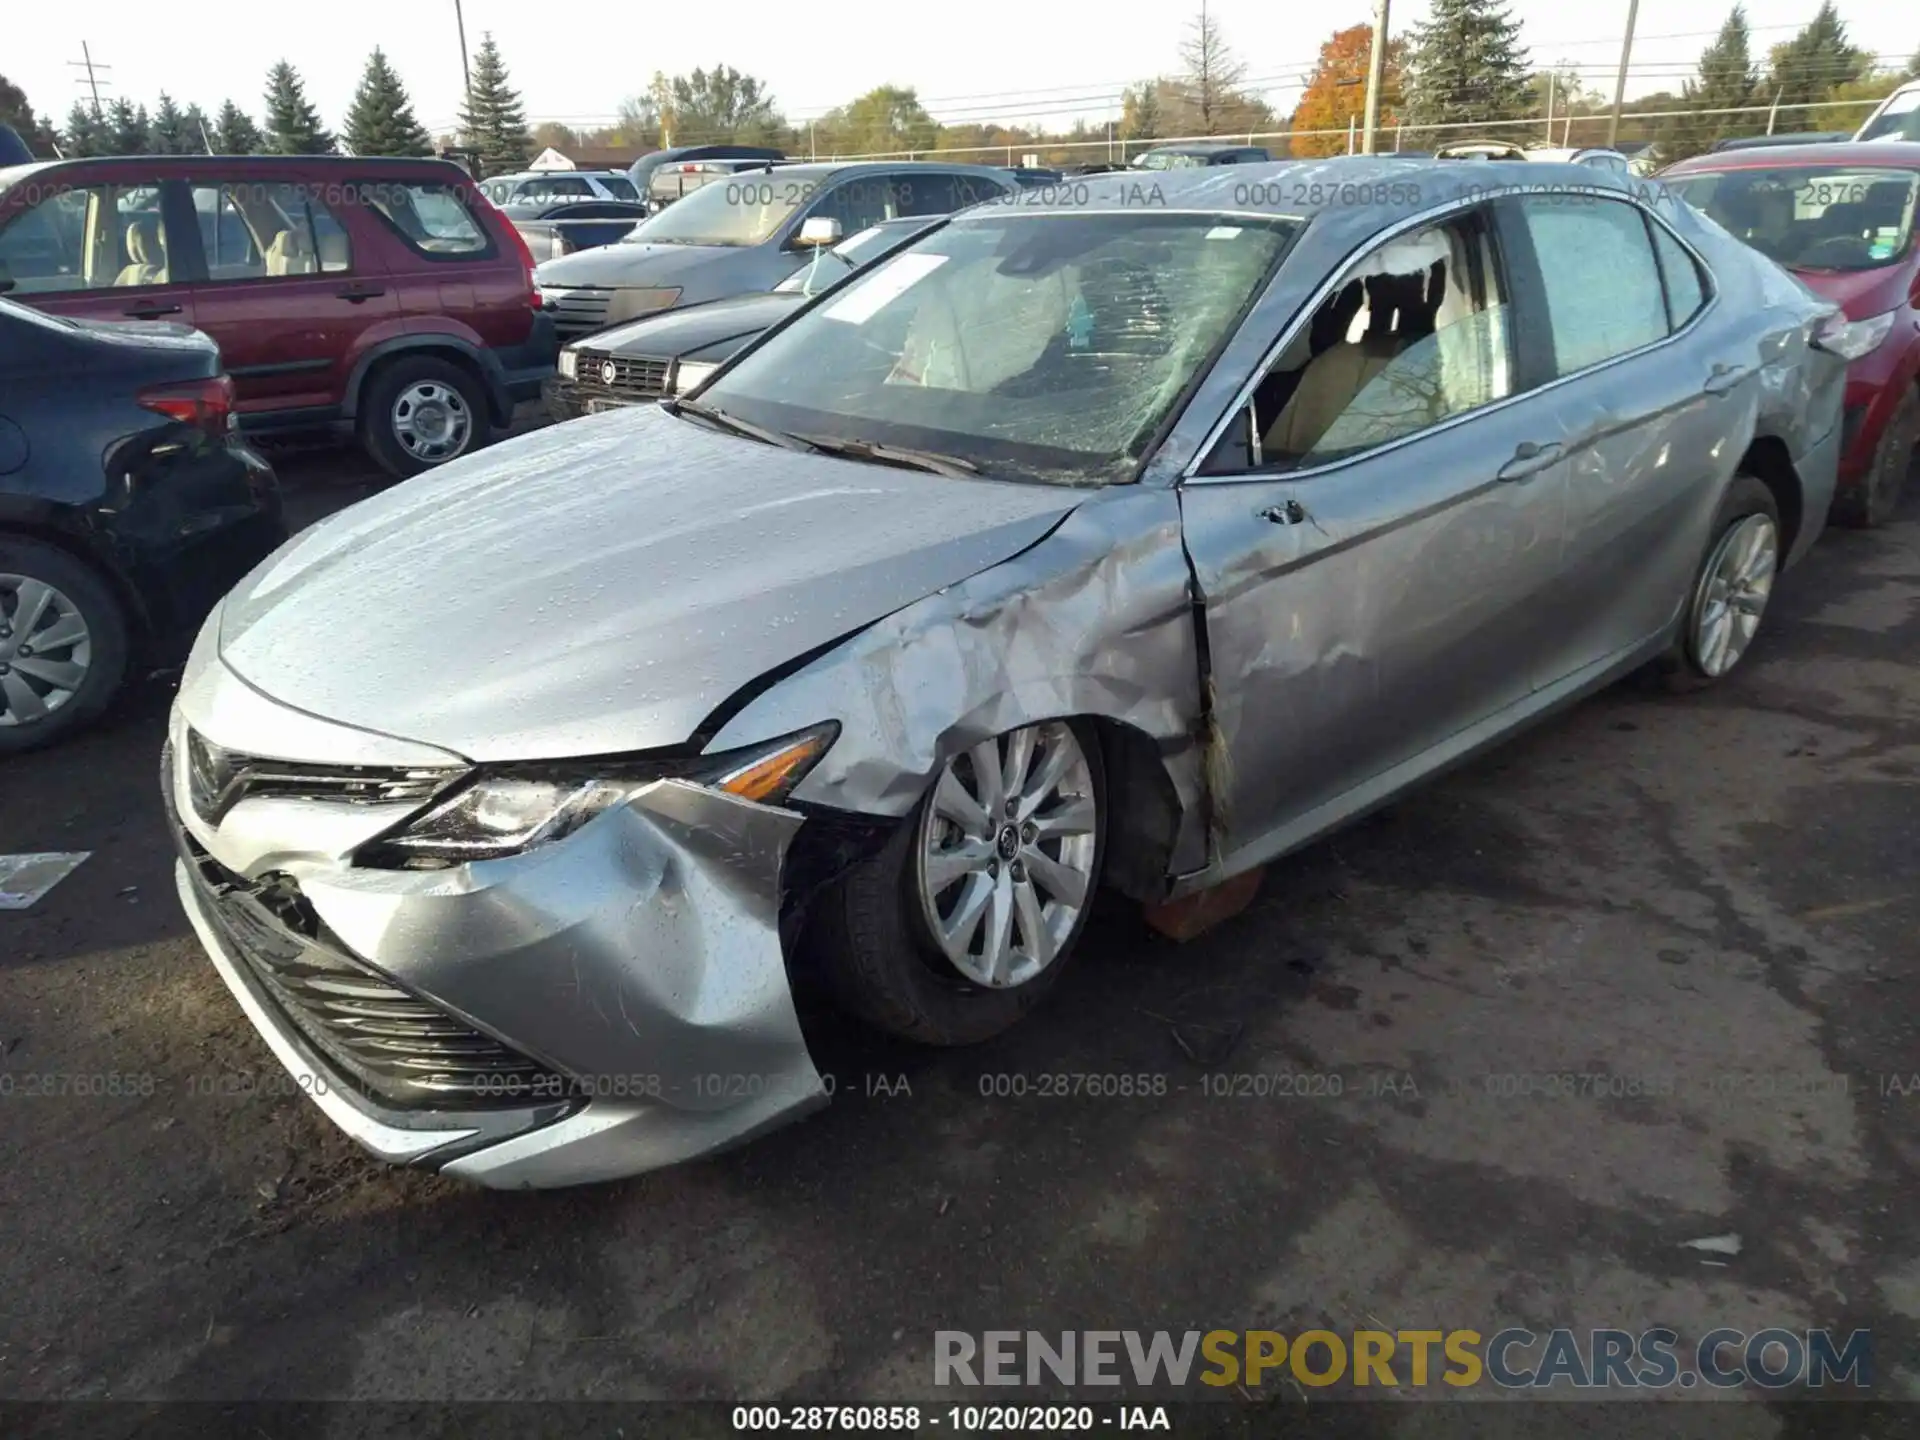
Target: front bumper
{"x":603,"y":1006}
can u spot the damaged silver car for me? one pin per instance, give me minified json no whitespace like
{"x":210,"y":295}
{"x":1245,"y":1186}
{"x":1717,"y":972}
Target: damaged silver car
{"x":1094,"y":541}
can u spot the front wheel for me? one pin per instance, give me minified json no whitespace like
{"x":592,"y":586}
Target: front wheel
{"x":965,"y":920}
{"x":1872,"y":502}
{"x":1730,"y":589}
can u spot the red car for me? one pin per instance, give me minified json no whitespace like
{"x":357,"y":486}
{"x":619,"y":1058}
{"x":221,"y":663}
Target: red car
{"x":1842,"y":218}
{"x":382,"y":299}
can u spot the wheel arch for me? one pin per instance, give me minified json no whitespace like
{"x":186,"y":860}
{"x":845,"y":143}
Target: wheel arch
{"x":1768,"y":461}
{"x":139,"y":618}
{"x":455,"y":349}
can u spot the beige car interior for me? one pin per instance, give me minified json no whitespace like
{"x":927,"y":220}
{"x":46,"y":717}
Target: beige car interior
{"x":146,"y":254}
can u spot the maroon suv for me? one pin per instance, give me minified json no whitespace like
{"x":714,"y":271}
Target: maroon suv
{"x":386,"y":299}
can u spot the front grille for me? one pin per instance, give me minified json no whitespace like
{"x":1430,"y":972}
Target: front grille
{"x":624,"y":377}
{"x":219,"y":779}
{"x":578,"y":312}
{"x":379,"y":1039}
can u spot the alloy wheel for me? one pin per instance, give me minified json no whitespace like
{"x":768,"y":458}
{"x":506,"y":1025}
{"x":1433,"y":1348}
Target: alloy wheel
{"x":431,"y":421}
{"x":1733,"y":594}
{"x":1005,"y":853}
{"x":46,"y":649}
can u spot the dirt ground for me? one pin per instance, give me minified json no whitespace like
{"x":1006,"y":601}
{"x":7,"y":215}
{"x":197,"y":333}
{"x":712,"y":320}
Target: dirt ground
{"x":1715,"y":895}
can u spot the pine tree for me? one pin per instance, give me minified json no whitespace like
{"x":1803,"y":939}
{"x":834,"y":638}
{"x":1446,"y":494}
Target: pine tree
{"x":293,"y":125}
{"x":1727,"y":81}
{"x":1466,"y":65}
{"x":168,"y":134}
{"x":234,"y":133}
{"x":128,"y":130}
{"x":194,"y":124}
{"x":381,"y":121}
{"x":1811,"y":65}
{"x":84,"y":134}
{"x":494,"y":121}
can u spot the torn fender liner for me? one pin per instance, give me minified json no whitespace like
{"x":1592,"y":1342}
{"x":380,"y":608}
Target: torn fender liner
{"x":640,"y":956}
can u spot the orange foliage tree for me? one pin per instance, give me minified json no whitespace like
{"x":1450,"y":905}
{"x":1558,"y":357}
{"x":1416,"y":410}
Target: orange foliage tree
{"x":1337,"y":91}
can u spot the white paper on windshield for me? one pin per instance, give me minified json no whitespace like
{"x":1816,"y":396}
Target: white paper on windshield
{"x":888,"y":285}
{"x":1223,"y":232}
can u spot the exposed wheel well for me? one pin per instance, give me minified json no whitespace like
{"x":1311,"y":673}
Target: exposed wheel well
{"x":1143,"y":812}
{"x":1768,"y":462}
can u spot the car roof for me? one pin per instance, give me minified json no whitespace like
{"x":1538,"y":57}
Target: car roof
{"x":228,"y":164}
{"x":821,"y":168}
{"x":1303,"y":189}
{"x":1877,"y":154}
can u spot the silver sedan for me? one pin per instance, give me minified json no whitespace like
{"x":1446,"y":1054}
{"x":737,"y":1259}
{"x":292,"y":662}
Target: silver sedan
{"x":1127,"y":536}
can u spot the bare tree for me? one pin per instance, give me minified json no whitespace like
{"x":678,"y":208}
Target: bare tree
{"x":1212,"y":72}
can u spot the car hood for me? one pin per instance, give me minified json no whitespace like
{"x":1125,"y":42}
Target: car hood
{"x":1861,"y":293}
{"x":629,"y":264}
{"x":674,"y":333}
{"x":603,"y":586}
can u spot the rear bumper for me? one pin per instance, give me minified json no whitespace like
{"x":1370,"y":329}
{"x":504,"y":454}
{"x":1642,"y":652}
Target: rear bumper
{"x":525,"y":367}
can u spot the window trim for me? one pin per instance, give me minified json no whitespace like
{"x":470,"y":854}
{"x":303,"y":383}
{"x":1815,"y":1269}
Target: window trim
{"x":1190,"y":472}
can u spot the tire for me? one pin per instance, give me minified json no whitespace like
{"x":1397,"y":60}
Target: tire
{"x":64,"y":594}
{"x":877,"y":945}
{"x":444,"y":399}
{"x":1872,"y":503}
{"x":1746,"y":509}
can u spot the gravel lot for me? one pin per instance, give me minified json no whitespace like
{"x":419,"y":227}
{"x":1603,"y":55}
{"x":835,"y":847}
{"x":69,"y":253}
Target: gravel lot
{"x":1716,"y":894}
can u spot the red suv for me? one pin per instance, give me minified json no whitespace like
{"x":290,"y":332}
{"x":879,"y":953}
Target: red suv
{"x":385,"y":299}
{"x":1844,"y":218}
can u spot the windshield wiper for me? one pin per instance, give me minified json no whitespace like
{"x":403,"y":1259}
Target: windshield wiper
{"x":949,"y":465}
{"x":778,"y":438}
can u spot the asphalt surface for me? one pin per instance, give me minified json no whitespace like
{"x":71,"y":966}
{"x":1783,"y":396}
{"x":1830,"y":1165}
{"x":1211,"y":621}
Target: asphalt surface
{"x":1709,"y":900}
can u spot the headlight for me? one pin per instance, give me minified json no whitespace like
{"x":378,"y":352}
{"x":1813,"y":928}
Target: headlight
{"x":644,"y":300}
{"x":569,"y":363}
{"x":689,"y":375}
{"x":1850,"y":340}
{"x":513,"y":808}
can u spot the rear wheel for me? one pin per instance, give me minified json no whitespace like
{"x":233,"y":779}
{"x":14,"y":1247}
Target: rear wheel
{"x":966,"y":918}
{"x":1730,"y":591}
{"x":1872,"y":502}
{"x":63,"y":644}
{"x":421,"y":412}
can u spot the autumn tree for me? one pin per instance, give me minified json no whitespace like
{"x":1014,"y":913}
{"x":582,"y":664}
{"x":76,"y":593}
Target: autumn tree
{"x":722,"y":104}
{"x":1336,"y":93}
{"x":882,"y":121}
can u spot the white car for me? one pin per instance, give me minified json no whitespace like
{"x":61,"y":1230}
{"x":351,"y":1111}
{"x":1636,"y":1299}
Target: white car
{"x":1898,"y":117}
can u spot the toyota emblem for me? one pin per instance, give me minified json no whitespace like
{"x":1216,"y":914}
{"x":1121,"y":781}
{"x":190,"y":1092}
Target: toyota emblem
{"x":609,"y":373}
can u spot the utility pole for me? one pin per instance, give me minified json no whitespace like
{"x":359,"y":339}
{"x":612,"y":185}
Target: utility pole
{"x":1620,"y":84}
{"x":1376,"y":75}
{"x":93,"y":80}
{"x":1774,"y":110}
{"x":466,"y":67}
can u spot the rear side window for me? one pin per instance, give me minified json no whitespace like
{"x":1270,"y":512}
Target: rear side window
{"x":254,"y":232}
{"x":434,"y":219}
{"x":619,"y":187}
{"x":1603,"y":291}
{"x":1686,"y":290}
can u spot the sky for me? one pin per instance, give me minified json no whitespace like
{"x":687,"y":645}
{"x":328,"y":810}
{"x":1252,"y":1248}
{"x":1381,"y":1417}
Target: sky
{"x":1011,"y":61}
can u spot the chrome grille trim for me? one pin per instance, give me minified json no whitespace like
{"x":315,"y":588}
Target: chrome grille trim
{"x":633,"y":376}
{"x":219,"y":779}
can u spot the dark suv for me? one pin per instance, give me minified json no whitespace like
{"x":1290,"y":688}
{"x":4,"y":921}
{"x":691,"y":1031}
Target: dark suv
{"x":384,"y":299}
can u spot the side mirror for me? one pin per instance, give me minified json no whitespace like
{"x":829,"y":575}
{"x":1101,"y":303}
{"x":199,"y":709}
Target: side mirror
{"x":818,"y":230}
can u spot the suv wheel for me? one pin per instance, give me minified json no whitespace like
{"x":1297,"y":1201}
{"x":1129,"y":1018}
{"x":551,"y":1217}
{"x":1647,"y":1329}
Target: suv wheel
{"x":63,"y":644}
{"x":422,"y":412}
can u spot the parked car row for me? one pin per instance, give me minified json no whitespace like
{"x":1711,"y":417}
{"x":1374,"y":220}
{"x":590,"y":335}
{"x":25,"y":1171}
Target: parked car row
{"x":868,"y":658}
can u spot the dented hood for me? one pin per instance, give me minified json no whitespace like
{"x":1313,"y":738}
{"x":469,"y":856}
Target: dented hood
{"x":604,"y":585}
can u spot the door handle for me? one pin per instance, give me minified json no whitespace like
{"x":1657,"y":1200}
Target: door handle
{"x":358,"y":293}
{"x":1725,"y":378}
{"x":1528,"y":461}
{"x":149,"y":312}
{"x":1289,"y":512}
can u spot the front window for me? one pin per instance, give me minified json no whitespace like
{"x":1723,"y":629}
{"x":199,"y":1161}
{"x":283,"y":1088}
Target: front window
{"x":1043,"y":347}
{"x":1900,"y":120}
{"x":92,"y":238}
{"x":736,"y":211}
{"x":1811,"y":217}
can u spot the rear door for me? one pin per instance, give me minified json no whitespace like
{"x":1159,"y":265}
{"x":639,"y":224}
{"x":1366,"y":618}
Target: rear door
{"x":284,"y":291}
{"x":452,"y":274}
{"x":107,"y":250}
{"x":1650,"y":391}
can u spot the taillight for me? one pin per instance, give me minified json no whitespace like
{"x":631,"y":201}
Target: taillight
{"x":205,"y":404}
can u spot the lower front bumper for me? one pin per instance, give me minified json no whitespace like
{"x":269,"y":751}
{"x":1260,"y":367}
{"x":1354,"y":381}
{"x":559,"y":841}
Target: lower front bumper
{"x":638,"y":961}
